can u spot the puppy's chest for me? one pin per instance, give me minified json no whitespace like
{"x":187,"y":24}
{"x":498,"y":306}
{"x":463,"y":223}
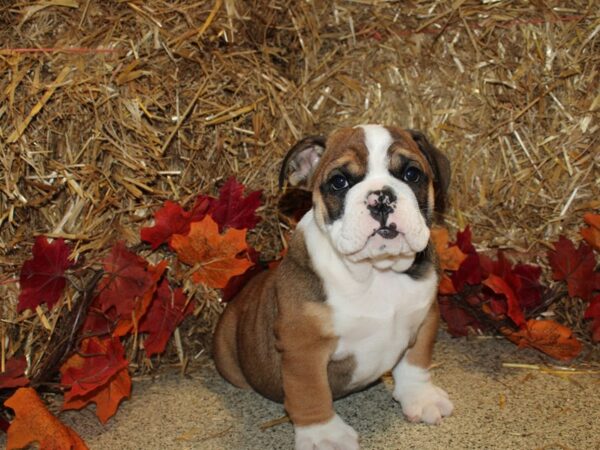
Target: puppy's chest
{"x":375,"y":325}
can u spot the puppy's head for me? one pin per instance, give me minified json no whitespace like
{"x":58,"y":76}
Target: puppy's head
{"x":375,"y":189}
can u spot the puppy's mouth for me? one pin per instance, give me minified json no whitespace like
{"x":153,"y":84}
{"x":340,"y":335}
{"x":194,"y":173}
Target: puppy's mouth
{"x":387,"y":232}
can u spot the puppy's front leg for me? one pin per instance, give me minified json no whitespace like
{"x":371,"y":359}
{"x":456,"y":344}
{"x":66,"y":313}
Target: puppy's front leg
{"x":306,"y":347}
{"x":421,"y":400}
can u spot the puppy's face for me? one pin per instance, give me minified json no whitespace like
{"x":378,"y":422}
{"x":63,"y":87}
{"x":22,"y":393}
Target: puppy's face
{"x":374,"y":190}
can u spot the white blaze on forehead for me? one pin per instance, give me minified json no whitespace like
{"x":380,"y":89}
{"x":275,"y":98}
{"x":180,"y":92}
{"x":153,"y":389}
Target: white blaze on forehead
{"x":378,"y":140}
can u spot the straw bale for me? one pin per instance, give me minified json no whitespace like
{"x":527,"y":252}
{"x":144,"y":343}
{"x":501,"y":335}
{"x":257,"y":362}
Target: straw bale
{"x":109,"y":108}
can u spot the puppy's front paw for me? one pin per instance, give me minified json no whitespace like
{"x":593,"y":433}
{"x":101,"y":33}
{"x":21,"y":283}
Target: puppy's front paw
{"x":424,"y":403}
{"x":334,"y":434}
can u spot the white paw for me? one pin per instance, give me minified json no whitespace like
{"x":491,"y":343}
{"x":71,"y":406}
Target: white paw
{"x":424,"y":403}
{"x":334,"y":434}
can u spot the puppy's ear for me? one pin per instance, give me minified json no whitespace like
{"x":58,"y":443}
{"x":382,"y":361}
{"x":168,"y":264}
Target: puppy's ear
{"x":440,"y":166}
{"x":300,"y":162}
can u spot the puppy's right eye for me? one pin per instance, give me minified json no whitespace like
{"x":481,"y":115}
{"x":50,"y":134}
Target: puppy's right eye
{"x":338,"y":182}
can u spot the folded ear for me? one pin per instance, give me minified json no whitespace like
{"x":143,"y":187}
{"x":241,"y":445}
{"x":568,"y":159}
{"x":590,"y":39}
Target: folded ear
{"x":300,"y":162}
{"x":440,"y":166}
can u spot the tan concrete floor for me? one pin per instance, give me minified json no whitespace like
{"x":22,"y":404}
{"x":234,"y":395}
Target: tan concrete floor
{"x":496,"y":408}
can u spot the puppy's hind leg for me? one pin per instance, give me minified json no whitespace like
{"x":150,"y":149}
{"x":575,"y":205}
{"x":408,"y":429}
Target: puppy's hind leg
{"x":225,"y":348}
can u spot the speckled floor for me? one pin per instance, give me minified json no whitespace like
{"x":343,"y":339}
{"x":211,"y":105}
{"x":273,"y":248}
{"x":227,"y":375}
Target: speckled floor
{"x":496,"y":408}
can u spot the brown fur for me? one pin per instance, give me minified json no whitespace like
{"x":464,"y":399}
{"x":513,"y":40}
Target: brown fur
{"x":276,"y":336}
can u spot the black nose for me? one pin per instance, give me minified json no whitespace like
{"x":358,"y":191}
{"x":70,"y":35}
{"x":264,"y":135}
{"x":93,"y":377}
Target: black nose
{"x":381,"y":204}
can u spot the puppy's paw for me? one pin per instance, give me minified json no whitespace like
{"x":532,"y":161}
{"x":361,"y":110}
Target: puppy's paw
{"x":424,"y":403}
{"x":334,"y":434}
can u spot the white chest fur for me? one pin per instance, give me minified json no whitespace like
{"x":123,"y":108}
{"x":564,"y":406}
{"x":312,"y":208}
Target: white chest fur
{"x":375,"y":312}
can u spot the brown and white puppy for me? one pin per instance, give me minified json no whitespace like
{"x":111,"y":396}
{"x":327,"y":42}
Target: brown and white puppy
{"x":355,"y":295}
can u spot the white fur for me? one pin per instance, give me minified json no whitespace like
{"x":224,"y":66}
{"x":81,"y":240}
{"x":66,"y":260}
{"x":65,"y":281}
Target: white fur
{"x":421,"y":400}
{"x":353,"y":234}
{"x":334,"y":434}
{"x":375,"y":312}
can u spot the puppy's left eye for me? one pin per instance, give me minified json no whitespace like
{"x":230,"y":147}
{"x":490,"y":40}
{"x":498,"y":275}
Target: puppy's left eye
{"x":412,"y":175}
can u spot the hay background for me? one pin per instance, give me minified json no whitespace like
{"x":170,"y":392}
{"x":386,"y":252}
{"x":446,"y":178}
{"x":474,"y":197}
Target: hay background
{"x":109,"y":108}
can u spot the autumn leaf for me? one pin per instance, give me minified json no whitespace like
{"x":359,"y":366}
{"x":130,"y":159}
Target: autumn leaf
{"x":166,"y":312}
{"x":14,"y":374}
{"x":499,"y":286}
{"x":212,"y":255}
{"x":33,"y":423}
{"x":97,"y":361}
{"x":126,"y":280}
{"x":575,"y":266}
{"x":236,"y":283}
{"x":459,"y":321}
{"x":470,"y":271}
{"x":107,"y":397}
{"x":592,"y":233}
{"x":450,"y":256}
{"x":593,"y":313}
{"x":173,"y":219}
{"x":128,"y":324}
{"x":548,"y":337}
{"x":232,"y":209}
{"x":42,"y":277}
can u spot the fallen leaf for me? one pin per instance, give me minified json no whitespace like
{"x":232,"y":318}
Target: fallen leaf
{"x":548,"y":337}
{"x":14,"y":375}
{"x":107,"y":397}
{"x":450,"y":256}
{"x":130,"y":323}
{"x":232,"y":209}
{"x":592,"y":233}
{"x":459,"y":321}
{"x":236,"y":283}
{"x":33,"y":423}
{"x":575,"y":266}
{"x":169,"y":307}
{"x":530,"y":290}
{"x":499,"y":286}
{"x":470,"y":270}
{"x":446,"y":286}
{"x":173,"y":219}
{"x":42,"y":277}
{"x":97,"y":361}
{"x":212,"y":255}
{"x":593,"y":312}
{"x":126,"y":280}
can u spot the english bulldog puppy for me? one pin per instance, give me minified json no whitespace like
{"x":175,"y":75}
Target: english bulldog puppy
{"x":355,"y":296}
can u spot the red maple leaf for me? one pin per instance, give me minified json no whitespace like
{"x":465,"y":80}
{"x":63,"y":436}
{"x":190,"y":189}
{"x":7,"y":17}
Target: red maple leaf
{"x":593,"y":313}
{"x":470,"y":270}
{"x":459,"y":321}
{"x":126,"y":280}
{"x":96,"y":363}
{"x":530,"y":291}
{"x":232,"y":209}
{"x":173,"y":219}
{"x":42,"y":278}
{"x":14,"y":374}
{"x":499,"y":286}
{"x":166,"y":312}
{"x":575,"y":266}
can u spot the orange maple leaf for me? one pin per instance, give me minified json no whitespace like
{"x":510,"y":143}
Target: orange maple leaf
{"x":34,"y":423}
{"x":547,"y":336}
{"x":450,"y":257}
{"x":212,"y":255}
{"x":592,"y":233}
{"x":107,"y":398}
